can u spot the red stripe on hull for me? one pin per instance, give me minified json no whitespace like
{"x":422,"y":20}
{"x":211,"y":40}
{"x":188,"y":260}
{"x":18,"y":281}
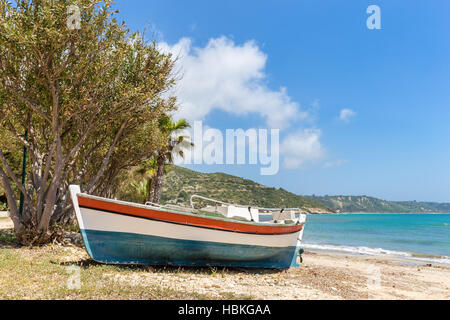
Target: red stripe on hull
{"x":186,"y":219}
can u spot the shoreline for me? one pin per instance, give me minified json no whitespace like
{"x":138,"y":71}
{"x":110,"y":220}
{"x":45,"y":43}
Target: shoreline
{"x":412,"y":257}
{"x":410,"y":261}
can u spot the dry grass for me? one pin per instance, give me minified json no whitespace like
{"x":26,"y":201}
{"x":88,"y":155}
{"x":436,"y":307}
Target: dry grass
{"x":47,"y":273}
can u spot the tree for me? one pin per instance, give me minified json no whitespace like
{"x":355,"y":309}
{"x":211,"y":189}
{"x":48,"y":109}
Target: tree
{"x":146,"y":171}
{"x":174,"y":145}
{"x":89,"y":99}
{"x":142,"y":189}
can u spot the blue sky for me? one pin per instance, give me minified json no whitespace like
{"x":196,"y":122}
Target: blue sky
{"x":396,"y":81}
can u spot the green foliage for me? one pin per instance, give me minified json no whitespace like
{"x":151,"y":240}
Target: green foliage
{"x":141,"y":189}
{"x":213,"y":271}
{"x":366,"y":204}
{"x":90,"y":98}
{"x":131,"y":185}
{"x":175,"y":143}
{"x":7,"y":237}
{"x":180,"y":183}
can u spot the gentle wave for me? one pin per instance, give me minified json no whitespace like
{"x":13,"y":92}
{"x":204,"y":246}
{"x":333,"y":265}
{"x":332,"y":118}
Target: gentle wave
{"x":375,"y":251}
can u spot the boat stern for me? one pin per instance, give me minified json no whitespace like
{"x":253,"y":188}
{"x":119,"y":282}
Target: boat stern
{"x":297,"y":259}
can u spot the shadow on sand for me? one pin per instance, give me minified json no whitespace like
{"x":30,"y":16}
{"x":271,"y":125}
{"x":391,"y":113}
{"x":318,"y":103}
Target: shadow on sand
{"x":7,"y":239}
{"x":207,"y":270}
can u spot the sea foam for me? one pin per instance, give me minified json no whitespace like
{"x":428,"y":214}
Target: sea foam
{"x":374,"y":252}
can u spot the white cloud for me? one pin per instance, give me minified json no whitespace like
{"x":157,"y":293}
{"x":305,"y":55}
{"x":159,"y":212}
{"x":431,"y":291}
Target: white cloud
{"x":335,"y":163}
{"x":302,"y":147}
{"x":346,"y":114}
{"x":229,"y":77}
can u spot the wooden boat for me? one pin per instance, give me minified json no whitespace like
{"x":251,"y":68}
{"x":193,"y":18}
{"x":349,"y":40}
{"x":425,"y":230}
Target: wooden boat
{"x":224,"y":235}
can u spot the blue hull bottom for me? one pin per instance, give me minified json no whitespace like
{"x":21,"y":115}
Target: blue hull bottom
{"x":130,"y":248}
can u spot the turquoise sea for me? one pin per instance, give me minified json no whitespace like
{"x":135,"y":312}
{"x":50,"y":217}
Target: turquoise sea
{"x":416,"y":236}
{"x":424,"y":237}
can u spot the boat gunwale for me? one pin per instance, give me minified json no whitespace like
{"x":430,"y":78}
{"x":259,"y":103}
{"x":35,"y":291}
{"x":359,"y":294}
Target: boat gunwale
{"x":187,"y":214}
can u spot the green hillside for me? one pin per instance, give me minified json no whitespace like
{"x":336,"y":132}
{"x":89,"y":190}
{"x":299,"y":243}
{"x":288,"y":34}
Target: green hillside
{"x":426,"y":207}
{"x":180,"y":183}
{"x":374,"y":205}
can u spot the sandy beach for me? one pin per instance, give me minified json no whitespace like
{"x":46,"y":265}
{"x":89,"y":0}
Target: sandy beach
{"x":325,"y":276}
{"x":5,"y":221}
{"x":322,"y":276}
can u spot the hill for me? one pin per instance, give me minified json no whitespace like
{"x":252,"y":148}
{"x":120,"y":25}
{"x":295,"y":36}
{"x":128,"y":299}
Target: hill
{"x":373,"y":205}
{"x":180,"y":183}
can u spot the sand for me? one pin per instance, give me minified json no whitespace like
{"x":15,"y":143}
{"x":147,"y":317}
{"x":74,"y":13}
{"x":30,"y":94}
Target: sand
{"x":375,"y":277}
{"x":326,"y":276}
{"x":5,"y":222}
{"x":323,"y":275}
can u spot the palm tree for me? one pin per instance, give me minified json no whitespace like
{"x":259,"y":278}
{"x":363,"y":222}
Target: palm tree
{"x":141,"y":189}
{"x":146,"y":170}
{"x":174,"y":146}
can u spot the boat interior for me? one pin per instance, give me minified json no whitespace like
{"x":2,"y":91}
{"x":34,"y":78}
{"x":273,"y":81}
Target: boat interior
{"x":213,"y":208}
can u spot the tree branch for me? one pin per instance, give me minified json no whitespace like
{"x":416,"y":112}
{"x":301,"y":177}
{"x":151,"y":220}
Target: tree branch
{"x":32,"y":106}
{"x":13,"y":211}
{"x":13,"y":177}
{"x":105,"y":162}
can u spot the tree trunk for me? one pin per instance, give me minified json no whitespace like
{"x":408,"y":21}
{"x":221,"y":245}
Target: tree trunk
{"x":13,"y":210}
{"x":155,"y":191}
{"x":151,"y":189}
